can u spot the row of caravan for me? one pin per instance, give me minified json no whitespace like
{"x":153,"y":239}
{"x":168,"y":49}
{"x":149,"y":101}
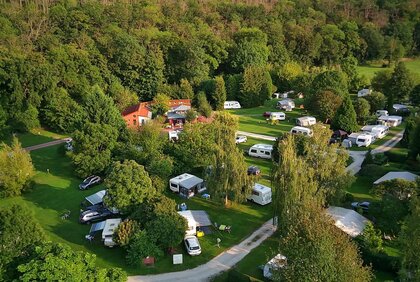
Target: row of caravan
{"x":369,"y":134}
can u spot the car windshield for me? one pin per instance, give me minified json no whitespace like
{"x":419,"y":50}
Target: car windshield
{"x":195,"y":248}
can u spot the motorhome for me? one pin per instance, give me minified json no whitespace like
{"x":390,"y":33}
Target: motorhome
{"x":301,"y":130}
{"x":390,"y":121}
{"x":305,"y":121}
{"x":277,"y":116}
{"x":232,"y":105}
{"x":380,"y":131}
{"x":261,"y":151}
{"x":187,"y":185}
{"x":286,"y":104}
{"x":260,"y":194}
{"x":364,"y":140}
{"x":379,"y":113}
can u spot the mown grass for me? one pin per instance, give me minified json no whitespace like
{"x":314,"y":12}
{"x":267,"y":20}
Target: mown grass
{"x":34,"y":137}
{"x":57,"y":190}
{"x":370,"y":70}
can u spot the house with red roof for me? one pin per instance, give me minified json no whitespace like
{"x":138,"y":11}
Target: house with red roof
{"x":141,"y":113}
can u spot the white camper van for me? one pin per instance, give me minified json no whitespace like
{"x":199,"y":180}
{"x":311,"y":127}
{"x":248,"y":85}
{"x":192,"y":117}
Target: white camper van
{"x":232,"y":105}
{"x":379,"y":113}
{"x":261,"y":151}
{"x":364,"y":140}
{"x":380,"y":131}
{"x":277,"y":116}
{"x":301,"y":130}
{"x":390,"y":121}
{"x":260,"y":194}
{"x":306,"y":121}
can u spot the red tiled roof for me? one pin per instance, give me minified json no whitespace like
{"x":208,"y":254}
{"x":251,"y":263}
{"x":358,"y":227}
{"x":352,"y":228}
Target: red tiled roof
{"x":131,"y":109}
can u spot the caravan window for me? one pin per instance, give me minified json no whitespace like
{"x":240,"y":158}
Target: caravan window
{"x":253,"y":151}
{"x":294,"y":131}
{"x":305,"y":133}
{"x":255,"y":193}
{"x":361,"y":140}
{"x":174,"y":185}
{"x":267,"y":153}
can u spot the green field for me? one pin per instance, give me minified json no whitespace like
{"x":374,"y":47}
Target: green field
{"x":370,"y":70}
{"x":35,"y":137}
{"x":57,"y":190}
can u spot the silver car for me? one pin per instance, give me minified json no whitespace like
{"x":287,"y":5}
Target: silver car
{"x":192,"y":245}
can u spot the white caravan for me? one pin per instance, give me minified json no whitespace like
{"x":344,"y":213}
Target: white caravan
{"x":364,"y":92}
{"x":261,"y":151}
{"x":286,"y":104}
{"x":232,"y":105}
{"x":192,"y":224}
{"x":364,"y":140}
{"x":379,"y":113}
{"x":305,"y":121}
{"x":187,"y":185}
{"x":380,"y":131}
{"x":277,"y":116}
{"x":301,"y":130}
{"x":390,"y":121}
{"x":260,"y":194}
{"x":110,"y":227}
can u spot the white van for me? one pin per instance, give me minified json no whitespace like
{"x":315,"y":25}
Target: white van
{"x":305,"y":121}
{"x":261,"y":151}
{"x":260,"y":194}
{"x":390,"y":121}
{"x":301,"y":130}
{"x":379,"y":113}
{"x":380,"y":131}
{"x":232,"y":105}
{"x":364,"y":140}
{"x":277,"y":116}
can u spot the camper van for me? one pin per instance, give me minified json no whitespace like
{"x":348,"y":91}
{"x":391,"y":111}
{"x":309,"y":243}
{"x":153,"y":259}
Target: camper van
{"x":379,"y":113}
{"x":260,"y":194}
{"x":379,"y":131}
{"x":187,"y":185}
{"x":364,"y":140}
{"x":232,"y":105}
{"x":301,"y":130}
{"x":305,"y":121}
{"x":277,"y":116}
{"x":390,"y":121}
{"x":261,"y":151}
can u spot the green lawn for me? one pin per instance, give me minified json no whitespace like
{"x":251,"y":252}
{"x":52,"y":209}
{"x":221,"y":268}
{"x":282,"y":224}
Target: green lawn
{"x":57,"y":191}
{"x":35,"y":137}
{"x":370,"y":70}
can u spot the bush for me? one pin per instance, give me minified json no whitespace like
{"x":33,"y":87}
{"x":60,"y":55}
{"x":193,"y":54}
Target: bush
{"x":396,"y":156}
{"x":380,"y":159}
{"x":348,"y":197}
{"x":381,"y":261}
{"x":372,"y":170}
{"x":236,"y":276}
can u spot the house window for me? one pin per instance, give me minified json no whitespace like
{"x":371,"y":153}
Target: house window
{"x":134,"y":122}
{"x":134,"y":115}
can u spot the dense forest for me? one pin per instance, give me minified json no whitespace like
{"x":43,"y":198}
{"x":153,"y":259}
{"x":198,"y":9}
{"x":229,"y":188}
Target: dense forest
{"x":57,"y":58}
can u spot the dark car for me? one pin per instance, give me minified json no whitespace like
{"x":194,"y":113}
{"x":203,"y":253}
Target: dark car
{"x":89,"y":182}
{"x":89,"y":216}
{"x":254,"y":170}
{"x":363,"y":205}
{"x":266,"y":114}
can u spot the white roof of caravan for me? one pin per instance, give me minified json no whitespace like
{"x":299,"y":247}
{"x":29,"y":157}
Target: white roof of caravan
{"x":227,"y":102}
{"x":186,"y":180}
{"x":300,"y":128}
{"x":261,"y":188}
{"x":399,"y":106}
{"x":364,"y":135}
{"x":355,"y":134}
{"x":348,"y":220}
{"x":363,"y":91}
{"x":306,"y":117}
{"x":397,"y":175}
{"x":277,"y":113}
{"x":263,"y":146}
{"x":110,"y":226}
{"x":198,"y":217}
{"x":96,"y":198}
{"x":390,"y":117}
{"x":372,"y":127}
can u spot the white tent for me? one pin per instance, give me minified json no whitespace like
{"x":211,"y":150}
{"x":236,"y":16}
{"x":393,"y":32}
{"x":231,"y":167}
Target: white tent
{"x":397,"y":175}
{"x":96,"y":198}
{"x":348,"y":220}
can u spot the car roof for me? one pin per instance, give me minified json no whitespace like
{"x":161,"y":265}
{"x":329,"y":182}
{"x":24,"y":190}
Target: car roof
{"x":192,"y":241}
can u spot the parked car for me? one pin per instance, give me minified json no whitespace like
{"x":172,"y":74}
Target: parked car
{"x":89,"y":216}
{"x":241,"y":139}
{"x":192,"y":245}
{"x":363,"y":205}
{"x":266,"y":114}
{"x":254,"y":170}
{"x":68,"y":145}
{"x":89,"y":182}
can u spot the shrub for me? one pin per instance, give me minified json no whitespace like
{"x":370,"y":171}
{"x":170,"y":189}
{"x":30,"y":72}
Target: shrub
{"x":372,"y":170}
{"x":396,"y":156}
{"x":348,"y":197}
{"x":236,"y":276}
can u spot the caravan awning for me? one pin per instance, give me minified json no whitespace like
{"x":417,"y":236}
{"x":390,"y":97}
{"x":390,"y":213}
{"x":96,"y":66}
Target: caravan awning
{"x":191,"y":182}
{"x":97,"y":226}
{"x":96,"y":198}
